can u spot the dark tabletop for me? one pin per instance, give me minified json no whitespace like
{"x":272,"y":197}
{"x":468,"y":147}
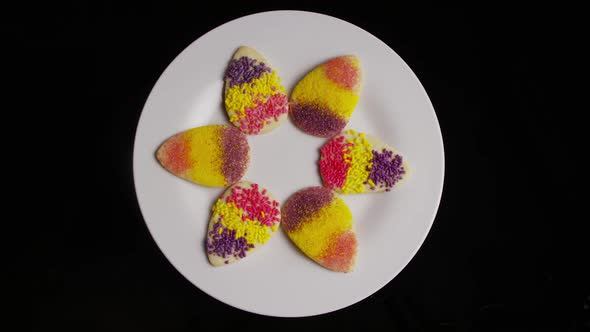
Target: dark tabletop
{"x":491,"y":262}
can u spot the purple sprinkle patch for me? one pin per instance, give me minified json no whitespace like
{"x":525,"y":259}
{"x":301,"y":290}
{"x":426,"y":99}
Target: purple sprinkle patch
{"x":316,"y":121}
{"x":244,"y":70}
{"x":235,"y":154}
{"x":303,"y":203}
{"x":225,"y":244}
{"x":387,"y":169}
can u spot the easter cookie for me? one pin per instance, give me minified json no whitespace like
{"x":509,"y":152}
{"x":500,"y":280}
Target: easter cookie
{"x":214,"y":156}
{"x":242,"y":220}
{"x":323,"y":101}
{"x":353,"y":162}
{"x":255,"y":100}
{"x":321,"y":225}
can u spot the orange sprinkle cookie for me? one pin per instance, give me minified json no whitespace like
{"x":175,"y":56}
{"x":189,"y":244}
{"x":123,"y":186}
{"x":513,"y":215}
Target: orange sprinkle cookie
{"x":214,"y":156}
{"x":323,"y":101}
{"x":321,"y":225}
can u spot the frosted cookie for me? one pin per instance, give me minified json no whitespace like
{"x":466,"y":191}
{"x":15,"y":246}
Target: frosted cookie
{"x":354,"y":162}
{"x":321,"y":225}
{"x":214,"y":156}
{"x":323,"y":101}
{"x":242,"y":220}
{"x":255,"y":100}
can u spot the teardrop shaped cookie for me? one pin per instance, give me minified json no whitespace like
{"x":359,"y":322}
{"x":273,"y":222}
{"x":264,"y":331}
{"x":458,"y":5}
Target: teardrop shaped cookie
{"x":214,"y":156}
{"x":320,"y":224}
{"x":323,"y":101}
{"x":242,"y":220}
{"x":353,"y":162}
{"x":255,"y":100}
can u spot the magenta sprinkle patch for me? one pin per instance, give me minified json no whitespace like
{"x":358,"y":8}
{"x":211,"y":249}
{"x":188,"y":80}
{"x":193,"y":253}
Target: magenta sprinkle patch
{"x":255,"y":205}
{"x":333,"y":166}
{"x":257,"y":117}
{"x":315,"y":121}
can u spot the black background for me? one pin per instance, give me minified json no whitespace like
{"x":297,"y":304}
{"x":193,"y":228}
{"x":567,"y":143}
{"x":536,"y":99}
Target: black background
{"x":495,"y":259}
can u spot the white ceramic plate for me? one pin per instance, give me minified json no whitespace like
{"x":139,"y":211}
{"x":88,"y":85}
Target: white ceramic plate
{"x":278,"y":280}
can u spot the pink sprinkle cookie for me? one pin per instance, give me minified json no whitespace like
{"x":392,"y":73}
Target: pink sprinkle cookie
{"x":242,"y":220}
{"x":353,"y":162}
{"x":255,"y":100}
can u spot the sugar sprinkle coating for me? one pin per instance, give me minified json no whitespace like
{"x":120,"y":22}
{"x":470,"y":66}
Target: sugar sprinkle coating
{"x":242,"y":219}
{"x":387,"y":169}
{"x":255,"y":204}
{"x":303,"y":203}
{"x":244,"y":70}
{"x":333,"y":162}
{"x":315,"y":120}
{"x":223,"y":242}
{"x":214,"y":155}
{"x":359,"y":157}
{"x":340,"y":254}
{"x":236,"y":154}
{"x":350,"y":163}
{"x":254,"y":97}
{"x":264,"y":111}
{"x":322,"y":102}
{"x":320,"y":224}
{"x":344,"y":71}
